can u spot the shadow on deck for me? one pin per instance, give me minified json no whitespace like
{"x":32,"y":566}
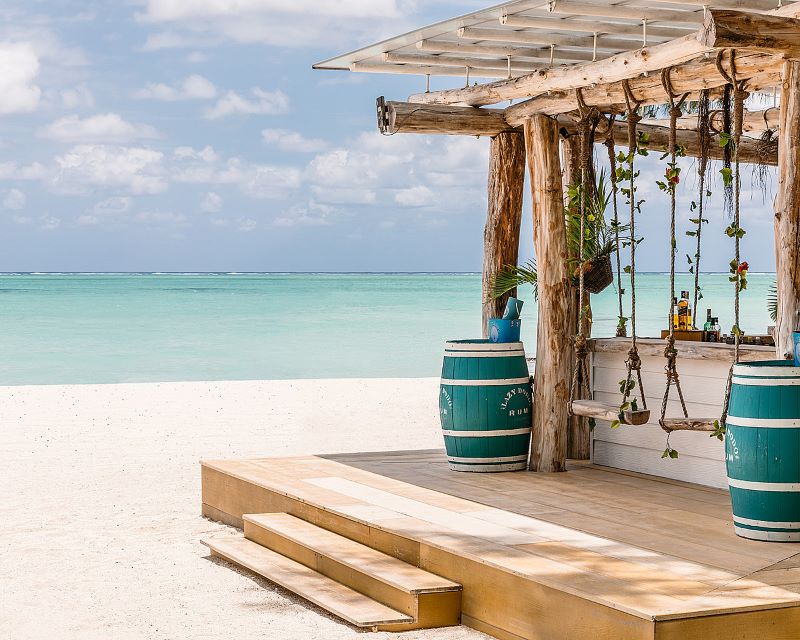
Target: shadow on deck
{"x":592,"y":553}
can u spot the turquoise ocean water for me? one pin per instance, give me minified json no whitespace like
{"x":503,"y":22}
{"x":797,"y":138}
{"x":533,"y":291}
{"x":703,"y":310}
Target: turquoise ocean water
{"x":102,"y":328}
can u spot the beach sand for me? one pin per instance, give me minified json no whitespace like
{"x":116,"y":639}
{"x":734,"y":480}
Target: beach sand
{"x":100,"y":501}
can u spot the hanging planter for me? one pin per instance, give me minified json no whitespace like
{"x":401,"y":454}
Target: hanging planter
{"x":597,"y":274}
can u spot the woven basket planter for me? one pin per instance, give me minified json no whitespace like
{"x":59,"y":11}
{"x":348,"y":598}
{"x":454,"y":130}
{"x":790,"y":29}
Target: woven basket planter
{"x":597,"y":274}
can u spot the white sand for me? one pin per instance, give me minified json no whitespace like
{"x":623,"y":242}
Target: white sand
{"x":100,"y":501}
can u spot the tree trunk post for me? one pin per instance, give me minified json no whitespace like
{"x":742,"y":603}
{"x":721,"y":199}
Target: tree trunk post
{"x":504,"y":216}
{"x":787,"y":212}
{"x":578,"y":438}
{"x":553,"y":349}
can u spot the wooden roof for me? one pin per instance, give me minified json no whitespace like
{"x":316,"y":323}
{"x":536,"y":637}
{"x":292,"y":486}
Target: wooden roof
{"x":522,"y":36}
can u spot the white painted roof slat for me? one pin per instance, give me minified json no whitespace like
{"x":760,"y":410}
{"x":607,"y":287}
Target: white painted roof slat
{"x":536,"y":34}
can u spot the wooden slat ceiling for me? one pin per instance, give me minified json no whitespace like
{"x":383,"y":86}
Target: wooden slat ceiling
{"x":518,"y":37}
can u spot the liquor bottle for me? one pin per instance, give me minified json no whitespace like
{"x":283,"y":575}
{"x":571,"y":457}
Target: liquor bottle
{"x":708,"y":326}
{"x":684,"y":312}
{"x":675,"y":313}
{"x":714,"y":331}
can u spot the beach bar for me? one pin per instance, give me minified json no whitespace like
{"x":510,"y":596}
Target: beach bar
{"x":633,"y":541}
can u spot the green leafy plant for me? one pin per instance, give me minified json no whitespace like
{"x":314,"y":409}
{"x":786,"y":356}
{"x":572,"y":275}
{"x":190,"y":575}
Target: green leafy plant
{"x":599,"y":238}
{"x":512,"y":276}
{"x":772,"y":301}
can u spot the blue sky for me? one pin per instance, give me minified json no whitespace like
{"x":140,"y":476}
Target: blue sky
{"x":186,"y":135}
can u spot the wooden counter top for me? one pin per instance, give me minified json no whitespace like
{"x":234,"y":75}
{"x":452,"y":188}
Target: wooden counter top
{"x":689,"y":350}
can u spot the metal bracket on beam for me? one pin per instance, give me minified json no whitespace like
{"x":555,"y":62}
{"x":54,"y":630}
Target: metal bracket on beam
{"x":383,"y":115}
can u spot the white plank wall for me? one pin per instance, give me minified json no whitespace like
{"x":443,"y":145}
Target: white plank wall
{"x":701,"y":458}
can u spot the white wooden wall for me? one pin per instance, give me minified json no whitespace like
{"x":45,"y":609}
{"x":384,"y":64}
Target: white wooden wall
{"x":701,"y":458}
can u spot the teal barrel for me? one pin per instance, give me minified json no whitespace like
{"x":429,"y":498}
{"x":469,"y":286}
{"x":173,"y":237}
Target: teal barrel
{"x":485,"y":406}
{"x":762,"y":448}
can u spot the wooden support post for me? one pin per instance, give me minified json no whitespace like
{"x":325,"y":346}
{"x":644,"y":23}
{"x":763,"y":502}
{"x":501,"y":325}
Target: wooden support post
{"x":787,"y":212}
{"x":553,"y":350}
{"x":578,"y":440}
{"x":504,"y":216}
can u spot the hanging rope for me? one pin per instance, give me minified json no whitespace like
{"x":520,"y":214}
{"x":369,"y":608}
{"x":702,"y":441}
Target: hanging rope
{"x":670,"y":352}
{"x":633,"y":362}
{"x":580,"y":372}
{"x":704,"y":142}
{"x":612,"y":161}
{"x":739,"y":97}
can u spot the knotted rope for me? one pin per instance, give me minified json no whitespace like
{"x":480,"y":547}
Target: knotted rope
{"x":670,"y":352}
{"x":589,"y":119}
{"x":739,"y":97}
{"x":633,"y":362}
{"x":612,"y":161}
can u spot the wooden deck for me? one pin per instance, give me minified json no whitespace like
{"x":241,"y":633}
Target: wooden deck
{"x":592,"y":553}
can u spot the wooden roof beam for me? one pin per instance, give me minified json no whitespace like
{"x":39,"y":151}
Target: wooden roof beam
{"x":750,"y":149}
{"x":592,"y":26}
{"x":742,"y":5}
{"x":405,"y":117}
{"x":722,"y":29}
{"x":463,"y":48}
{"x":690,"y":77}
{"x":604,"y":10}
{"x":426,"y":70}
{"x":517,"y":67}
{"x":754,"y":121}
{"x":545,"y":37}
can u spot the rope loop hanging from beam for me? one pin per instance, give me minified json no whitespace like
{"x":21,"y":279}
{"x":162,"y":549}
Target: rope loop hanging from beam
{"x":740,"y":95}
{"x":612,"y":162}
{"x":670,"y":352}
{"x":633,"y":363}
{"x":588,"y":120}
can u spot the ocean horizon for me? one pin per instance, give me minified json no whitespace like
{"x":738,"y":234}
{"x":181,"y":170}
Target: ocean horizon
{"x":108,"y":327}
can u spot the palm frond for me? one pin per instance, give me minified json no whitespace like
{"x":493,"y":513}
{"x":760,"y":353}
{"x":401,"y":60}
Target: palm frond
{"x":512,"y":276}
{"x":772,"y":301}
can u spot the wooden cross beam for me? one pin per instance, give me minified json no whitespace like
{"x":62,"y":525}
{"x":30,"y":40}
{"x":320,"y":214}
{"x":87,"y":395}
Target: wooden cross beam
{"x":404,"y":117}
{"x":768,"y":35}
{"x":758,"y":69}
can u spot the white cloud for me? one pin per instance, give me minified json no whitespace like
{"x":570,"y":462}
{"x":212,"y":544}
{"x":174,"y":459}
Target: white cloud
{"x":14,"y":199}
{"x":262,"y":103}
{"x":49,"y":223}
{"x":196,"y":57}
{"x":14,"y":171}
{"x":206,"y":154}
{"x":115,"y":205}
{"x":194,"y":87}
{"x":136,"y":169}
{"x":163,"y":218}
{"x":418,"y":196}
{"x":19,"y":66}
{"x":246,"y":225}
{"x":104,"y":127}
{"x":77,"y":97}
{"x":286,"y":23}
{"x":110,"y":209}
{"x":313,"y":214}
{"x":439,"y":174}
{"x":286,"y":140}
{"x":211,"y":202}
{"x":259,"y":181}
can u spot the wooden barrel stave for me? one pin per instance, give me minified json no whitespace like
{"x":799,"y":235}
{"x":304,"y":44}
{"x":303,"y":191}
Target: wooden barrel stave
{"x":763,"y":451}
{"x":485,"y":403}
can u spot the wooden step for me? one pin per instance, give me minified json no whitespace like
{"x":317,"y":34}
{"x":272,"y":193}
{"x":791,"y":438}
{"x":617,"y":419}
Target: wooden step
{"x":341,"y":601}
{"x":432,"y":601}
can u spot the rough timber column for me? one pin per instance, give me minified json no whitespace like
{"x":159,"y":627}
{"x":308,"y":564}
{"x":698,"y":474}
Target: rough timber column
{"x":504,"y":216}
{"x":787,"y":211}
{"x":553,"y":350}
{"x":578,"y":439}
